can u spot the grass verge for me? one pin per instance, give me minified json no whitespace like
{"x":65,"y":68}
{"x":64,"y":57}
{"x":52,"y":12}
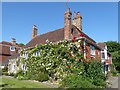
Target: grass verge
{"x":9,"y":82}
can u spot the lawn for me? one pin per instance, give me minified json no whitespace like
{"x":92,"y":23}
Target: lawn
{"x":9,"y":82}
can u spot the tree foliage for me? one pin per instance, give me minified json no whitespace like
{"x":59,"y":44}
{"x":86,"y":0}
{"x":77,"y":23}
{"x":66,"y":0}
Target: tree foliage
{"x":113,"y":46}
{"x":114,"y":49}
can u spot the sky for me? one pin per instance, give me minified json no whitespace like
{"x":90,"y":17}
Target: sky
{"x":99,"y":19}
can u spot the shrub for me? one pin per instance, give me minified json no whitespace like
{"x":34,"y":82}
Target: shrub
{"x":95,"y":74}
{"x":114,"y":72}
{"x":41,"y":77}
{"x":5,"y":73}
{"x":11,"y":74}
{"x":76,"y":81}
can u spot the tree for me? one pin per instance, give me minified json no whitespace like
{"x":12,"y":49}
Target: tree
{"x":21,"y":44}
{"x":113,"y":46}
{"x":116,"y":59}
{"x":114,"y":49}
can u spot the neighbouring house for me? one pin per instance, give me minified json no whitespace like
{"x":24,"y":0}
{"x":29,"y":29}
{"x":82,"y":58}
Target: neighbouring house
{"x":8,"y":49}
{"x":70,"y":30}
{"x":106,"y":57}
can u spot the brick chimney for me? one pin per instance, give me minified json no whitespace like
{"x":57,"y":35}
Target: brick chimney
{"x":77,"y":20}
{"x":13,"y":41}
{"x":34,"y":31}
{"x":67,"y":24}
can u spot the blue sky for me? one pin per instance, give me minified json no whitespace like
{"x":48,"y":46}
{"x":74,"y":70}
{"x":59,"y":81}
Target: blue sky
{"x":100,"y":20}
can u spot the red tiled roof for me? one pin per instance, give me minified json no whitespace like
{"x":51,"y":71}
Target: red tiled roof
{"x":102,"y":45}
{"x":52,"y":36}
{"x":6,"y":43}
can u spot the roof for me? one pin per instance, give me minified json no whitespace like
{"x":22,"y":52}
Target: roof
{"x":102,"y":45}
{"x":52,"y":36}
{"x":6,"y":43}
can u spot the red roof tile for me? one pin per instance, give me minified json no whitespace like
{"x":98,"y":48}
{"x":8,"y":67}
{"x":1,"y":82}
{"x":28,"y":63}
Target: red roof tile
{"x":52,"y":36}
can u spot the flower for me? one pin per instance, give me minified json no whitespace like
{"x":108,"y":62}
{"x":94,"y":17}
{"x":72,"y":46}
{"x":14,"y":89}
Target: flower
{"x":79,"y":41}
{"x":73,"y":39}
{"x":78,"y":46}
{"x":82,"y":35}
{"x":70,"y":54}
{"x":68,"y":66}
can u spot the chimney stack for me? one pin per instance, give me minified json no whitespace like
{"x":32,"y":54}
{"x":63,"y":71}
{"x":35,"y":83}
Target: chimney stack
{"x":34,"y":31}
{"x":78,"y":20}
{"x":67,"y":24}
{"x":13,"y":41}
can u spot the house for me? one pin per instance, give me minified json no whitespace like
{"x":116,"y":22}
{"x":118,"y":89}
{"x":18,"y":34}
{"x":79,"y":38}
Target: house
{"x":7,"y":50}
{"x":106,"y":57}
{"x":71,"y":29}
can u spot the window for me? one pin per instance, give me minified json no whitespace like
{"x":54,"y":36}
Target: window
{"x":24,"y":67}
{"x":36,"y":53}
{"x":92,"y":50}
{"x":103,"y":55}
{"x":12,"y":48}
{"x":13,"y":67}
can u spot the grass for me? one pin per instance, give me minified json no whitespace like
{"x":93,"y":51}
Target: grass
{"x":8,"y":82}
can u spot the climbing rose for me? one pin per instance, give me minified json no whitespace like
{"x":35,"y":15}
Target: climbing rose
{"x":68,"y":66}
{"x":73,"y":39}
{"x":82,"y":35}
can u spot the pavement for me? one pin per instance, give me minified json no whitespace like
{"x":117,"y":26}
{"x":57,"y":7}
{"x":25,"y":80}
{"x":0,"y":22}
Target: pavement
{"x":114,"y":82}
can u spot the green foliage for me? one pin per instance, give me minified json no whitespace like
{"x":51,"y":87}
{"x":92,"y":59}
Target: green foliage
{"x":113,"y":46}
{"x":20,"y":75}
{"x":95,"y":74}
{"x":116,"y":59}
{"x":41,"y":77}
{"x":114,"y":72}
{"x":21,"y":44}
{"x":5,"y":73}
{"x":92,"y":77}
{"x":5,"y":70}
{"x":76,"y":81}
{"x":63,"y":61}
{"x":114,"y":49}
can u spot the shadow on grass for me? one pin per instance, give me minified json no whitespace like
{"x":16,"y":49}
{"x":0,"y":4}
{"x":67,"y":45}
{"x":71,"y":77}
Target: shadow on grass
{"x":3,"y":85}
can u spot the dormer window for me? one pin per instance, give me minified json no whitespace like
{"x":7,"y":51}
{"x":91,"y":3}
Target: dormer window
{"x":12,"y":48}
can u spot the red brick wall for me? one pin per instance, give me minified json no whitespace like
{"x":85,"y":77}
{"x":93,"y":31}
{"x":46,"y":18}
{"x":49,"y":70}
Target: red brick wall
{"x":3,"y":58}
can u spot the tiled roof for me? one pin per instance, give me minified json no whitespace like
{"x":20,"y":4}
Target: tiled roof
{"x":52,"y":36}
{"x":6,"y":43}
{"x":102,"y":45}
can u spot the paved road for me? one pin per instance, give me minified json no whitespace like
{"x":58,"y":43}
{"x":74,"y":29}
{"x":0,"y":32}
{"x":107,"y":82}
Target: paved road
{"x":114,"y":82}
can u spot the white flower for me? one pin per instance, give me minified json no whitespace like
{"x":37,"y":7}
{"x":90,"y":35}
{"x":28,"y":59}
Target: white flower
{"x":78,"y":46}
{"x":79,"y":40}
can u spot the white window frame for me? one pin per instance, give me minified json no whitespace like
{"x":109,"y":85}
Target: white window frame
{"x":102,"y":55}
